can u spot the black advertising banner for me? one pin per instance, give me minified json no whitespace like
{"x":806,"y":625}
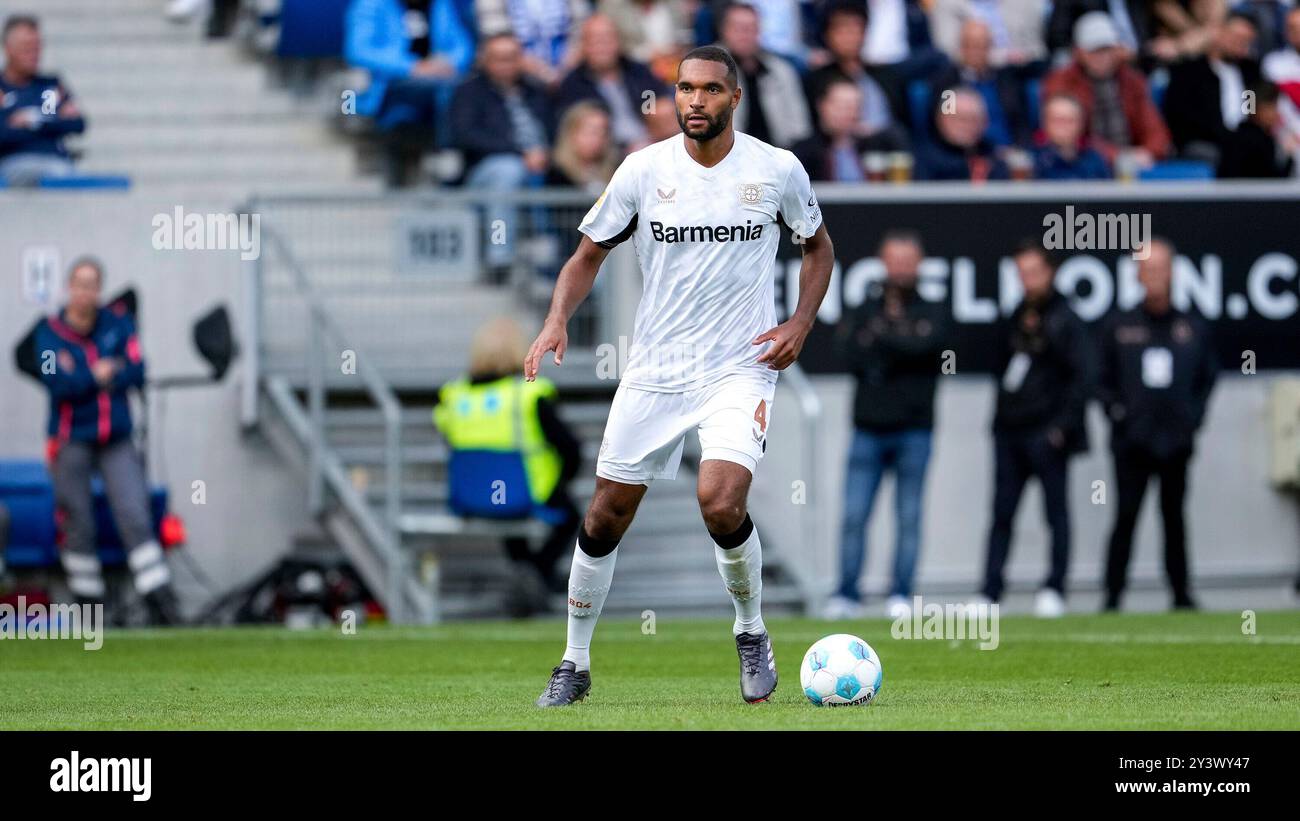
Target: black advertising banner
{"x":1236,"y":266}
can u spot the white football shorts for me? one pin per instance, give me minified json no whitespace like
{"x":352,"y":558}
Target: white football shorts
{"x":646,"y":430}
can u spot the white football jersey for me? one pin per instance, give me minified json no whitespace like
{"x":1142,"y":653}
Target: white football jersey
{"x":706,"y":240}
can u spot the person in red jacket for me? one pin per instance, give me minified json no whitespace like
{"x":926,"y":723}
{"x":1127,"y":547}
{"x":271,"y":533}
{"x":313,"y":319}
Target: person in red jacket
{"x":1117,"y":104}
{"x":90,"y":359}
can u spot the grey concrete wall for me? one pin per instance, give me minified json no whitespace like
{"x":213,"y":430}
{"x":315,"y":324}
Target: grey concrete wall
{"x":253,"y":503}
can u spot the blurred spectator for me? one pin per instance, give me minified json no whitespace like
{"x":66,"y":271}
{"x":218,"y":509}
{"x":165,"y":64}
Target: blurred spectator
{"x":36,"y":110}
{"x":501,"y":121}
{"x":584,"y":155}
{"x":899,"y":36}
{"x":891,"y":344}
{"x":1063,"y":153}
{"x":1206,"y":94}
{"x":1117,"y":104}
{"x":1270,"y":21}
{"x":97,"y":362}
{"x":1251,"y":150}
{"x":547,"y":30}
{"x":781,"y":31}
{"x":1016,"y":28}
{"x":616,"y":82}
{"x":415,"y":51}
{"x":772,"y":106}
{"x":493,"y":410}
{"x":1047,"y":375}
{"x":1283,"y":68}
{"x":960,"y":148}
{"x":999,"y":86}
{"x":1188,"y":25}
{"x":1134,"y":28}
{"x":656,"y":32}
{"x":834,"y":152}
{"x":845,"y":34}
{"x":1157,"y":371}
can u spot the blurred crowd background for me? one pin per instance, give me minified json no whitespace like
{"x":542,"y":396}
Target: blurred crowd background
{"x":516,"y":93}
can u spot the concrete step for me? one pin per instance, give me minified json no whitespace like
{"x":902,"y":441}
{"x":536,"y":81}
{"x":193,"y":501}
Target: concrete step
{"x":250,"y":135}
{"x":252,"y":167}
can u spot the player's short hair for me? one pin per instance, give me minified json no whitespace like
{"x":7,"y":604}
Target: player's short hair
{"x":17,"y":21}
{"x":1034,"y":245}
{"x":87,"y":261}
{"x":716,"y":54}
{"x":907,"y":236}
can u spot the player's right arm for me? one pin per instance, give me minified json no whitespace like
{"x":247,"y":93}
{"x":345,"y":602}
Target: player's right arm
{"x":571,"y":288}
{"x":610,"y":221}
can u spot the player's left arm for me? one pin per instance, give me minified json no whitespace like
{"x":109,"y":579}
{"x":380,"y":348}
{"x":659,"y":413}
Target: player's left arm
{"x":814,"y":278}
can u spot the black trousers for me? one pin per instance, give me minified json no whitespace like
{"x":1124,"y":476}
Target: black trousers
{"x":559,"y":542}
{"x":1018,"y":457}
{"x":1133,"y":472}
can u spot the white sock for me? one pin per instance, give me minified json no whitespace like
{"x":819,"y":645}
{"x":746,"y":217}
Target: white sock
{"x":742,"y":572}
{"x":589,"y":580}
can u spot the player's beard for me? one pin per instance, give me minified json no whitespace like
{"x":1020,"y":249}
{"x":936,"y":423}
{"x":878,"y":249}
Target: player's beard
{"x":717,"y":125}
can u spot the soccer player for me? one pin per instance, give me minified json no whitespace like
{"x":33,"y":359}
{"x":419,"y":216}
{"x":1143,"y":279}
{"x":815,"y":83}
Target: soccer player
{"x":702,"y":209}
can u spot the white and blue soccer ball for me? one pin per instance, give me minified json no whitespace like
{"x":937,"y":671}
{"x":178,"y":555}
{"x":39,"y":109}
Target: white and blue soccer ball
{"x":840,"y":671}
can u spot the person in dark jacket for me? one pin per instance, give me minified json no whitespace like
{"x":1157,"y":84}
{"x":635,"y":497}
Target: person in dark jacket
{"x":883,"y":112}
{"x":1158,"y":368}
{"x":615,"y":82}
{"x":502,"y":124}
{"x":90,"y":361}
{"x":1001,"y":86}
{"x":892,"y":344}
{"x":960,"y":149}
{"x":1196,"y":104}
{"x":1048,"y":372}
{"x":36,"y":110}
{"x":1062,"y":152}
{"x":1252,"y":152}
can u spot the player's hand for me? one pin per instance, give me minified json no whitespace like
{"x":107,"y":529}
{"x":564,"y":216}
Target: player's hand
{"x":552,"y":338}
{"x":787,"y":341}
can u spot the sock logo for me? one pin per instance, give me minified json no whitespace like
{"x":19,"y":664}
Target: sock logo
{"x":581,"y":605}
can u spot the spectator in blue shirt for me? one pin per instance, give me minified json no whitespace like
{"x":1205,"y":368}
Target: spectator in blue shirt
{"x":999,"y":86}
{"x":36,"y":110}
{"x":1062,"y":153}
{"x":416,"y":51}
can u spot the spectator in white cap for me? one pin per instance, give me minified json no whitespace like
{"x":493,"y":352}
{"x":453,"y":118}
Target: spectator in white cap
{"x":1118,"y":109}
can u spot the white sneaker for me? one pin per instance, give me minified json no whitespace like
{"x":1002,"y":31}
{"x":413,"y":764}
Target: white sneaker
{"x":898,"y":607}
{"x":839,"y":608}
{"x":1049,"y":604}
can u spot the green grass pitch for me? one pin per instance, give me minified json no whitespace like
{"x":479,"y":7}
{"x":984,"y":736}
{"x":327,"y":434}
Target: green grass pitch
{"x":1159,"y":671}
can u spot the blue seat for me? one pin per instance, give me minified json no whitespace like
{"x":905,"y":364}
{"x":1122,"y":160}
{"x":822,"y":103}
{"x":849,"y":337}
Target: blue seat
{"x":1190,"y":170}
{"x":28,"y":493}
{"x":489,"y":484}
{"x":311,"y":28}
{"x":88,"y":181}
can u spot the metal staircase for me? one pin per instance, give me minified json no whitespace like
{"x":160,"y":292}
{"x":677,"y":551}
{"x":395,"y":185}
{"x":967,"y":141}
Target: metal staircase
{"x":376,"y":468}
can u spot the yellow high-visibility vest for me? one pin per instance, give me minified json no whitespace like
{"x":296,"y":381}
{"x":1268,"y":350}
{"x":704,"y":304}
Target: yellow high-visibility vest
{"x":501,"y":416}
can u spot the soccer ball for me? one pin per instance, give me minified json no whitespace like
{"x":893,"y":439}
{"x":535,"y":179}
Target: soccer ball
{"x":841,"y":670}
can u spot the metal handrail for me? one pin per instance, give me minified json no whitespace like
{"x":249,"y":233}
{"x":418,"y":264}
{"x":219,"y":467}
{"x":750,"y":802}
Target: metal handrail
{"x":810,"y":414}
{"x":323,"y":328}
